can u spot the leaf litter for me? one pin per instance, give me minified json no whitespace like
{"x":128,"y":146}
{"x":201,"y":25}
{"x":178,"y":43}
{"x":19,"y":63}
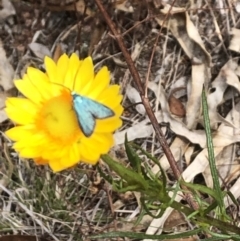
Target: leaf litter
{"x":191,"y":52}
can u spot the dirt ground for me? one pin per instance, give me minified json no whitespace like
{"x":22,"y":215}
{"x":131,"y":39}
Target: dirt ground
{"x":187,"y":43}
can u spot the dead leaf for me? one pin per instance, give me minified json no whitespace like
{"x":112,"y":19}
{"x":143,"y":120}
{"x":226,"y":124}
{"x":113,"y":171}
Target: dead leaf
{"x":175,"y":219}
{"x":6,"y":70}
{"x":226,"y":76}
{"x":40,"y":50}
{"x":3,"y":115}
{"x":134,"y":97}
{"x":193,"y":108}
{"x":140,"y":130}
{"x":58,"y":51}
{"x":176,"y":107}
{"x":124,"y":5}
{"x":7,"y":10}
{"x":235,"y":41}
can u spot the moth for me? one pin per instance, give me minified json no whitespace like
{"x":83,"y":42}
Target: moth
{"x":88,"y":111}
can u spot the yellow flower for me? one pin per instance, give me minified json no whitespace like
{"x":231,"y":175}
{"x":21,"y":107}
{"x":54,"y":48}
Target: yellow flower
{"x":47,"y":125}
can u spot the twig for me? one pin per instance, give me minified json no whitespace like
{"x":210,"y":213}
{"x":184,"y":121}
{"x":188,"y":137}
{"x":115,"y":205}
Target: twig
{"x":146,"y":103}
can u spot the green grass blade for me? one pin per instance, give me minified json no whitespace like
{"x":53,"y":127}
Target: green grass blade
{"x":211,"y":157}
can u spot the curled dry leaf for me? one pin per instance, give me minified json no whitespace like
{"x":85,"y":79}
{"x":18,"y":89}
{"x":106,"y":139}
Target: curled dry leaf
{"x":58,"y":51}
{"x":175,"y":219}
{"x":176,"y":107}
{"x":134,"y":97}
{"x":6,"y":70}
{"x":141,"y":130}
{"x":235,"y":41}
{"x":39,"y":50}
{"x":231,"y":73}
{"x":178,"y":127}
{"x":3,"y":115}
{"x":227,"y":76}
{"x":6,"y":81}
{"x":123,"y":5}
{"x":193,"y":108}
{"x":7,"y":10}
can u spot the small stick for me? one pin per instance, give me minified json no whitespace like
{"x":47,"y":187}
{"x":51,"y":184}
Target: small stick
{"x":145,"y":101}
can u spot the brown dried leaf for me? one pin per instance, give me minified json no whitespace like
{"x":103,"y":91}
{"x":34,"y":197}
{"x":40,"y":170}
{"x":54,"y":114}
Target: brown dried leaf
{"x":193,"y":108}
{"x":227,"y":76}
{"x":134,"y":97}
{"x":40,"y":50}
{"x":6,"y":70}
{"x":235,"y":41}
{"x":175,"y":219}
{"x":176,"y":107}
{"x":58,"y":51}
{"x":123,"y":5}
{"x":7,"y":10}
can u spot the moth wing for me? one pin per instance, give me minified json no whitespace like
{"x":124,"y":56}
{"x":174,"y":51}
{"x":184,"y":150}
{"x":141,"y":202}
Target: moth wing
{"x":85,"y":118}
{"x":98,"y":110}
{"x":87,"y":111}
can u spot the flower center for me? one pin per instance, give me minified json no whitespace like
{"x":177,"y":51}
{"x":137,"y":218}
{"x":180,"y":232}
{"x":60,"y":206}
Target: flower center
{"x":58,"y":118}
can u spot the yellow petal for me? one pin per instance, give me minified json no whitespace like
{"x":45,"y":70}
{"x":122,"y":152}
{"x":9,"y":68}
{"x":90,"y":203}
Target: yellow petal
{"x":102,"y":142}
{"x":111,"y":103}
{"x":100,"y":83}
{"x":70,"y":77}
{"x":22,"y":111}
{"x":33,"y":140}
{"x":108,"y":125}
{"x":84,"y":77}
{"x":91,"y":162}
{"x":87,"y":153}
{"x":31,"y":152}
{"x":56,"y":166}
{"x":74,"y":156}
{"x":18,"y":132}
{"x":29,"y":90}
{"x":110,"y":97}
{"x":41,"y":82}
{"x":51,"y":69}
{"x":118,"y":110}
{"x":109,"y":93}
{"x":62,"y":67}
